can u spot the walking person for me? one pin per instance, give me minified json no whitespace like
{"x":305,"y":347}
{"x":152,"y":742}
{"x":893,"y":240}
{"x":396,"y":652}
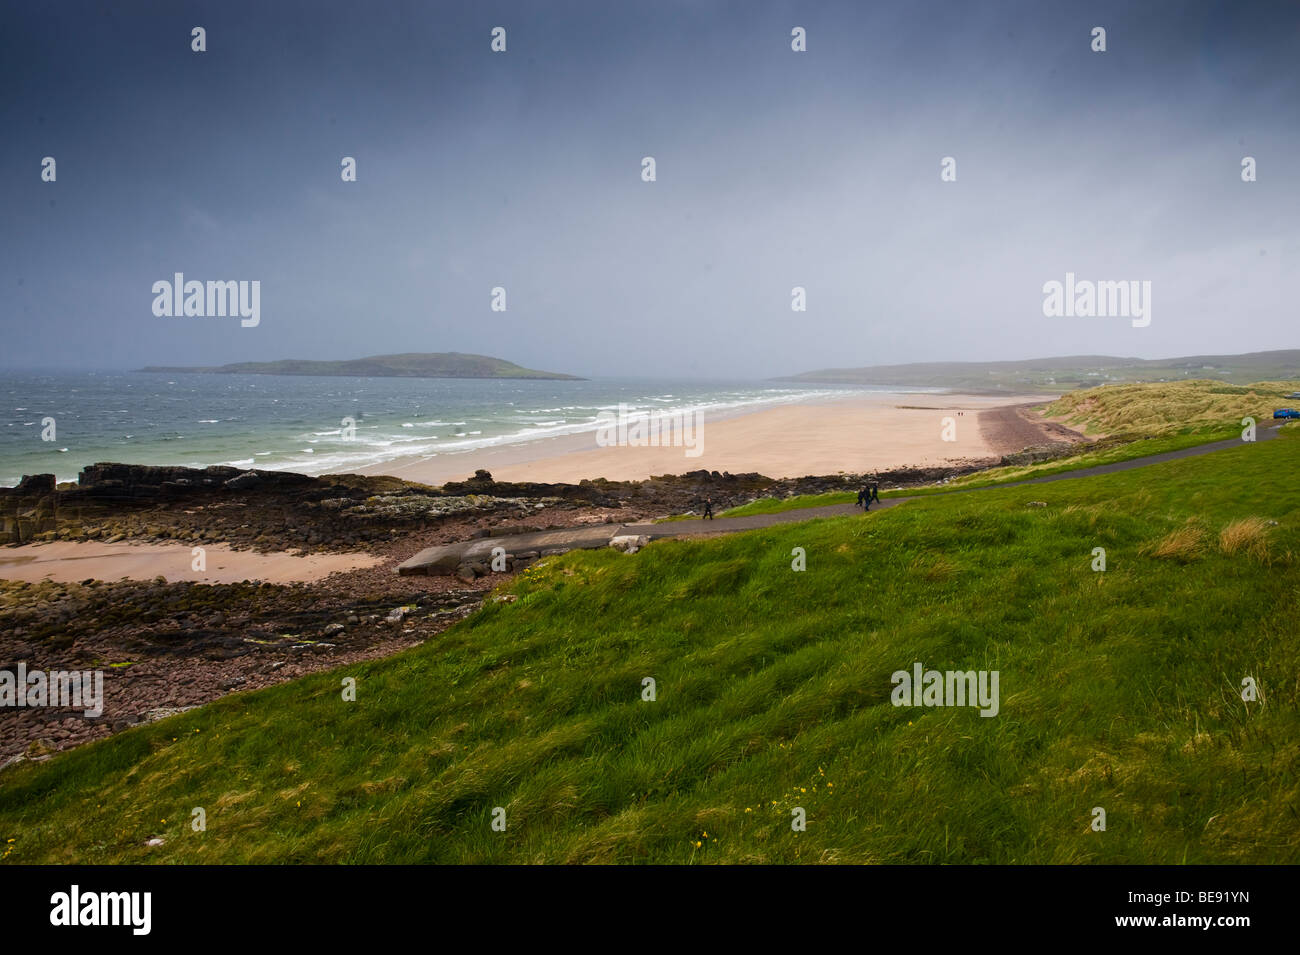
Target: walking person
{"x":708,"y":509}
{"x":862,"y":496}
{"x":875,"y":492}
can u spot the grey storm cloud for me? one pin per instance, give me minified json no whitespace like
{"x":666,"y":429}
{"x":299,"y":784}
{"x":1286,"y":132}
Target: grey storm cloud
{"x":522,"y":169}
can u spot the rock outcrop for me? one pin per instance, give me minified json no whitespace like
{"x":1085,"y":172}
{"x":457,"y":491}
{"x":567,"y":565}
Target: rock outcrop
{"x":28,"y":511}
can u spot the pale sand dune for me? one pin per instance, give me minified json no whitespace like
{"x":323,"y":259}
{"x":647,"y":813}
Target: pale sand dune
{"x":68,"y":561}
{"x":875,"y":432}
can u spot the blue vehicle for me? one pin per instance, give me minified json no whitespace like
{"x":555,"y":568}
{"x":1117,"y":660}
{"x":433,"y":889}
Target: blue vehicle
{"x":1286,"y":413}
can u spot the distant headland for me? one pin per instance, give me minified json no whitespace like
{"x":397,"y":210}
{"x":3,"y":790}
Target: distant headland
{"x":410,"y":365}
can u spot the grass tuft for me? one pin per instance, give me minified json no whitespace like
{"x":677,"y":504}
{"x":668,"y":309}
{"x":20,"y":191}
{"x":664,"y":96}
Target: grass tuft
{"x":1185,"y":544}
{"x":1247,"y":536}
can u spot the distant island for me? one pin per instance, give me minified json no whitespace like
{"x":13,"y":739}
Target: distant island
{"x":411,"y":365}
{"x":1065,"y":373}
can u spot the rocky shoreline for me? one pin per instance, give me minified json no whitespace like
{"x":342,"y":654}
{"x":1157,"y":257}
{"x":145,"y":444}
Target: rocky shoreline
{"x":167,"y":646}
{"x":275,"y":510}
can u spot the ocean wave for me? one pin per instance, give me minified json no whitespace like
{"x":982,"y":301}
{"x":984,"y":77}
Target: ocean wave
{"x":393,"y":427}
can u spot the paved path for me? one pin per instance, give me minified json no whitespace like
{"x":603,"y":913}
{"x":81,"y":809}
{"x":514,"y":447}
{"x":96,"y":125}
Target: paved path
{"x":445,"y":558}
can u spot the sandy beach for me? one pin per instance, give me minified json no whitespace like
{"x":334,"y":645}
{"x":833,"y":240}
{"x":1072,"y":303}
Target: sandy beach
{"x":68,"y":561}
{"x":873,"y":432}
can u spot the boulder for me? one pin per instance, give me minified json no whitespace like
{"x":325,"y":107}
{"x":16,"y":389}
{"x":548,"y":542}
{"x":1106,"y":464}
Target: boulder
{"x":629,"y":543}
{"x":35,"y":485}
{"x":397,"y":615}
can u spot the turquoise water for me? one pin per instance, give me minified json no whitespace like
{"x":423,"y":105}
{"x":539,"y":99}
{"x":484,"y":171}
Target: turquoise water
{"x":295,"y":423}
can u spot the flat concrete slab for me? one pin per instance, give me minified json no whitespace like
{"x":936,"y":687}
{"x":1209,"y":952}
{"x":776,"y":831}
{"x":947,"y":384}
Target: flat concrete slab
{"x":443,"y":559}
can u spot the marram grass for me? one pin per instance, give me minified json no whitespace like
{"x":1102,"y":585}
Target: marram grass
{"x":1152,"y":408}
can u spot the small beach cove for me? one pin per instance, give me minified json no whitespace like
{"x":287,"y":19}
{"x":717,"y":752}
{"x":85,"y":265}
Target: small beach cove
{"x":69,"y":561}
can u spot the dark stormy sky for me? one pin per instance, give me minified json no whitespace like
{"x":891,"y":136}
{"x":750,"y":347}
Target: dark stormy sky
{"x":523,"y":170}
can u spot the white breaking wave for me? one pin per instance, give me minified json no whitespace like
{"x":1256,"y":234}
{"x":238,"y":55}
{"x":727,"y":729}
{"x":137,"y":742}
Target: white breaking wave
{"x":387,"y":430}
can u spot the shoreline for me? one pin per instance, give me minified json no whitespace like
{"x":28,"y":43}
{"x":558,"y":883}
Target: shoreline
{"x":861,"y":434}
{"x":797,"y":443}
{"x":788,"y":437}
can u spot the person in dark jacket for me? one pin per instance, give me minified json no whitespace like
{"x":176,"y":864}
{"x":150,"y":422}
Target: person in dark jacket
{"x":875,"y":493}
{"x":708,"y":509}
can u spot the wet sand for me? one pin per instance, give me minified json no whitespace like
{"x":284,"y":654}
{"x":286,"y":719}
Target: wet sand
{"x":69,"y":561}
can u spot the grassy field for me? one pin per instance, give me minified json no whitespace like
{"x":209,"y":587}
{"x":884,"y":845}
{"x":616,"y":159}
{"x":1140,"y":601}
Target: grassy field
{"x":773,"y":505}
{"x":1109,"y":451}
{"x":1119,"y":689}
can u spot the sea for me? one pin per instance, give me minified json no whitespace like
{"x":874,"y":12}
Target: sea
{"x":301,"y":423}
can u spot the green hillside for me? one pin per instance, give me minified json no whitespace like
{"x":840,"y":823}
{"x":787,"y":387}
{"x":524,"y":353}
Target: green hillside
{"x":410,"y":365}
{"x":1119,"y":689}
{"x":1065,"y":373}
